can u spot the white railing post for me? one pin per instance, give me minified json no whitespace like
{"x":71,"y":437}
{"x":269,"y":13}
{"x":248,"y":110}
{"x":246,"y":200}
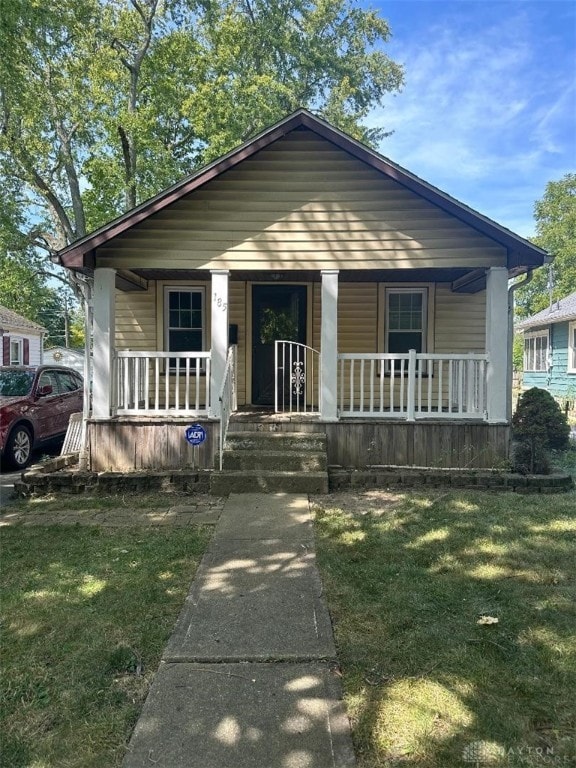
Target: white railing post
{"x":329,"y":346}
{"x":411,"y":393}
{"x":104,"y":318}
{"x":219,"y":331}
{"x":497,"y":344}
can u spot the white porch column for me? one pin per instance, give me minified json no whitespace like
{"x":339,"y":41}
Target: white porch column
{"x":497,"y":343}
{"x":329,"y":346}
{"x":219,"y":336}
{"x":104,"y":319}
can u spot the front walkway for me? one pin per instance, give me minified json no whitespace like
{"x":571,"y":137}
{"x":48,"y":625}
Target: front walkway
{"x":248,"y":679}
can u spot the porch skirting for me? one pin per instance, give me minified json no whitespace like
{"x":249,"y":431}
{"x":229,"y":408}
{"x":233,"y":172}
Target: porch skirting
{"x":129,"y":444}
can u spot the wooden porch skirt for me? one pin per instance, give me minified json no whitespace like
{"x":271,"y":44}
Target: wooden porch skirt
{"x":125,"y":444}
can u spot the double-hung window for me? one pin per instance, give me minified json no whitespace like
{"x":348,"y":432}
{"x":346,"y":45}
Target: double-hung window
{"x":572,"y":347}
{"x":16,"y":352}
{"x":184,"y":320}
{"x":406,"y":312}
{"x":536,"y":351}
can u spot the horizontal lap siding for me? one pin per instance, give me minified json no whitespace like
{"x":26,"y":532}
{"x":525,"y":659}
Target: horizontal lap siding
{"x":460,"y":321}
{"x":301,"y":204}
{"x":136,"y":320}
{"x":237,"y":316}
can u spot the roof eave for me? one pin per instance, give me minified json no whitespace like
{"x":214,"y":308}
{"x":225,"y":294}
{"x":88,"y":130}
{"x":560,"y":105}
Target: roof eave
{"x":521,"y":254}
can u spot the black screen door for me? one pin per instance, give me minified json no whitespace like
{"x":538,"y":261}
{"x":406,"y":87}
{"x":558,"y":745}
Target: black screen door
{"x":278,"y":312}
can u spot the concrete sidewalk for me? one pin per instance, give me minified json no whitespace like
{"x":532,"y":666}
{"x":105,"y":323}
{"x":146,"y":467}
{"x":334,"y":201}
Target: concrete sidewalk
{"x":247,"y":678}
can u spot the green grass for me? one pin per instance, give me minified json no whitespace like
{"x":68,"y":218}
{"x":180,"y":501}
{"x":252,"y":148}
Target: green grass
{"x":87,"y":612}
{"x":407,"y":578}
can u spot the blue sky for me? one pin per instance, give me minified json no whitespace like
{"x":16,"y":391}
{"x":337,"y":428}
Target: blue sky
{"x":488,"y":110}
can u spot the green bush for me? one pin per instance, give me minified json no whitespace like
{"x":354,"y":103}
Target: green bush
{"x":538,"y":426}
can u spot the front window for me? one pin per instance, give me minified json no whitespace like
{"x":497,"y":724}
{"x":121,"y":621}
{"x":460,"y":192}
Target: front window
{"x":572,"y":347}
{"x":536,"y":351}
{"x":15,"y":352}
{"x":405,"y":320}
{"x":185,"y":325}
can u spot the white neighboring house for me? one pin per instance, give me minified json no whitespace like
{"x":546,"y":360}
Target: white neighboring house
{"x":71,"y":358}
{"x":22,"y":340}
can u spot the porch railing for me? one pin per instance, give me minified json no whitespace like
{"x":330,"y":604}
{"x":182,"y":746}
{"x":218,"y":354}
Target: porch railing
{"x":162,"y":383}
{"x":412,"y":385}
{"x":227,"y":397}
{"x":297,"y":373}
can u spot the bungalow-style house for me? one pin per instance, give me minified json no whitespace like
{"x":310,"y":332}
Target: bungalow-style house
{"x":302,"y":283}
{"x":550,"y":350}
{"x":22,"y":340}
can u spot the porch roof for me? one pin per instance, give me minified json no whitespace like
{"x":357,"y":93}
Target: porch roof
{"x":522,"y":255}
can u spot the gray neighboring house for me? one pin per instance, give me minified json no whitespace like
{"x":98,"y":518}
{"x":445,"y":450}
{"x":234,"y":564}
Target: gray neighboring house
{"x":71,"y":358}
{"x":550,"y":350}
{"x":22,"y":340}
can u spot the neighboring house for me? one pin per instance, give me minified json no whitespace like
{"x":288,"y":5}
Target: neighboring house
{"x":22,"y":340}
{"x":390,"y":295}
{"x":71,"y":358}
{"x":550,"y":350}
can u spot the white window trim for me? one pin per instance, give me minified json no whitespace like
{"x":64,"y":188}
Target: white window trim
{"x":427,"y":290}
{"x":533,"y":335}
{"x":176,"y":288}
{"x":18,"y":360}
{"x":572,"y":347}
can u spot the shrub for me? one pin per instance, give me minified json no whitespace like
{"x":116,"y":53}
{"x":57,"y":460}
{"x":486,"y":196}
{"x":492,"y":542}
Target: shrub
{"x":537,"y":426}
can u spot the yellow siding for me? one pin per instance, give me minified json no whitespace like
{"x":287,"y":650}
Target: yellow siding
{"x":460,"y":321}
{"x":301,"y":204}
{"x":237,"y":316}
{"x":136,"y":320}
{"x":358,"y":317}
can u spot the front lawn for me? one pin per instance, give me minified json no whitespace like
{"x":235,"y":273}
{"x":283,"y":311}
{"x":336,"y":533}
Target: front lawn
{"x":408,"y":577}
{"x":86,"y":614}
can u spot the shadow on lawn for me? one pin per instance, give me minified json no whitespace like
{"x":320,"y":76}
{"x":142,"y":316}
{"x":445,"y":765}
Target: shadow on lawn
{"x":87,"y":612}
{"x":408,"y":578}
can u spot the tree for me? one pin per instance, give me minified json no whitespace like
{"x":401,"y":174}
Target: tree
{"x":105,"y":102}
{"x":25,"y":289}
{"x":555,"y":216}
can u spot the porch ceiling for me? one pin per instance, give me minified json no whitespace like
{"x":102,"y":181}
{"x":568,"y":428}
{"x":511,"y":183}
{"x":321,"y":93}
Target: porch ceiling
{"x":291,"y":276}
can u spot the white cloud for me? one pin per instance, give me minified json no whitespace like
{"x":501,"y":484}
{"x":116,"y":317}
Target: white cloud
{"x":481,"y":115}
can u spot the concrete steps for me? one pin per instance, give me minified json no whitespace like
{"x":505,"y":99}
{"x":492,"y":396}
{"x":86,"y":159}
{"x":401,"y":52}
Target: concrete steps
{"x":272,"y":462}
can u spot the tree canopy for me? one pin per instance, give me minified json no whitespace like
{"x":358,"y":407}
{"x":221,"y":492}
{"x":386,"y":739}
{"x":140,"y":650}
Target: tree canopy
{"x":103,"y":103}
{"x":555,"y":216}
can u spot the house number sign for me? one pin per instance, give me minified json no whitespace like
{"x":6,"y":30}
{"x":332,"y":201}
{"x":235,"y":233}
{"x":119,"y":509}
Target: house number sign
{"x":195,"y":434}
{"x":220,"y":303}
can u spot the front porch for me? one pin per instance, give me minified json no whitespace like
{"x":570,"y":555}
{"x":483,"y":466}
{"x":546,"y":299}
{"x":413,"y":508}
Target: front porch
{"x":139,"y":443}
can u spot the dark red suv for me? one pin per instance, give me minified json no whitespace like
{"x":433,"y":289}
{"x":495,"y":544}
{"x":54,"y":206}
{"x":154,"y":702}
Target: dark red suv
{"x":35,"y":406}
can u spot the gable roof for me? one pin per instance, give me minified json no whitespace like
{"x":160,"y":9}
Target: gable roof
{"x":521,"y":253}
{"x":12,"y":321}
{"x":559,"y":312}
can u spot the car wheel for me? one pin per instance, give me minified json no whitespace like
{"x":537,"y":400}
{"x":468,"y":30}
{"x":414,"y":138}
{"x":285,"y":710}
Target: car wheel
{"x":19,"y":447}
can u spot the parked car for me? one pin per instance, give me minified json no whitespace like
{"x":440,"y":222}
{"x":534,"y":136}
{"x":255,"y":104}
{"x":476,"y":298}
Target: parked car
{"x":35,"y":406}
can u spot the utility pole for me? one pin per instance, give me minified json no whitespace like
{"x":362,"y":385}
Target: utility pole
{"x":66,"y":323}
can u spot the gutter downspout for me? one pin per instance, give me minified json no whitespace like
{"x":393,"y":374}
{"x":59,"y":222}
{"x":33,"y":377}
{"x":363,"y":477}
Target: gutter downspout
{"x":509,"y":373}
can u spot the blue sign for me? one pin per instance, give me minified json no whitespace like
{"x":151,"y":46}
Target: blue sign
{"x":196,"y":434}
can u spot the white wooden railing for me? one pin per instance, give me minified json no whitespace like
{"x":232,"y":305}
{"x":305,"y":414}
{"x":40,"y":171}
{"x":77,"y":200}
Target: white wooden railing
{"x":162,"y":383}
{"x":297,"y":373}
{"x":412,"y":386}
{"x":227,"y":397}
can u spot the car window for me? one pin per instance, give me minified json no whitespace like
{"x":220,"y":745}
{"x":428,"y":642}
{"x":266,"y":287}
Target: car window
{"x":48,"y":379}
{"x":15,"y":383}
{"x":67,"y":382}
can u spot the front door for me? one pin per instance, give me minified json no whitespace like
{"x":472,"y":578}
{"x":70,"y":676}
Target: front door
{"x":278,"y":312}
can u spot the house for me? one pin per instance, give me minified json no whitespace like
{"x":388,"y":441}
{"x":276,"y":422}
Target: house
{"x":22,"y":340}
{"x":71,"y":358}
{"x":306,"y":281}
{"x":550,"y":350}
